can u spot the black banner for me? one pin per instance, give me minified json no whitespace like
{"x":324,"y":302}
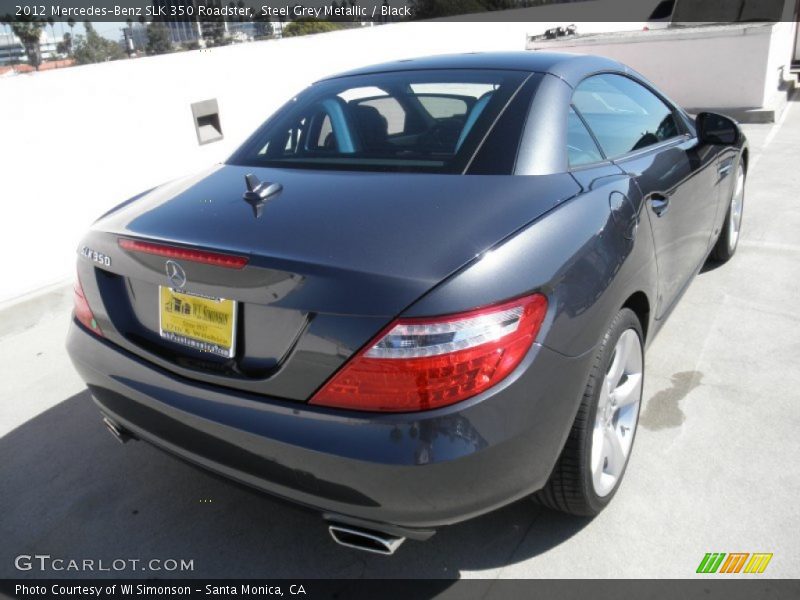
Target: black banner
{"x":388,"y":11}
{"x":707,"y":588}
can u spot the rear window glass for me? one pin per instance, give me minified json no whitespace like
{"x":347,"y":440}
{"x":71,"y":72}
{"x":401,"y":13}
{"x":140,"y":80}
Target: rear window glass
{"x":422,"y":121}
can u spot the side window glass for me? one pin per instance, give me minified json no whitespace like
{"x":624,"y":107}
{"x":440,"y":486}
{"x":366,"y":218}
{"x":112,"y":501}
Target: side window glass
{"x":293,"y":137}
{"x":391,"y":110}
{"x":581,"y":148}
{"x":443,"y":107}
{"x":623,"y":115}
{"x":325,"y":137}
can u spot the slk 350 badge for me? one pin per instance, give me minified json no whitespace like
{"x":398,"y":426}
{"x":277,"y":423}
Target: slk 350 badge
{"x":95,"y":256}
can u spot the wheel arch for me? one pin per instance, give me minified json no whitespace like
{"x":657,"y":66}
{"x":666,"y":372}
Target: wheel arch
{"x":640,"y":305}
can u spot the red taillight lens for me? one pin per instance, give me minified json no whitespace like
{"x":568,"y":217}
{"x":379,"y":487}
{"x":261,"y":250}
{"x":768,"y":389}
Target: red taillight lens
{"x":82,"y":310}
{"x":218,"y":259}
{"x":420,"y":364}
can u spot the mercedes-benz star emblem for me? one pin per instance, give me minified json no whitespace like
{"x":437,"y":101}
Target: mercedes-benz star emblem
{"x":175,"y":274}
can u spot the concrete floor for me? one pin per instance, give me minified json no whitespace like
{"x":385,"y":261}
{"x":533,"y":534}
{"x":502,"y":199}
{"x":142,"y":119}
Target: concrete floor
{"x":715,"y":466}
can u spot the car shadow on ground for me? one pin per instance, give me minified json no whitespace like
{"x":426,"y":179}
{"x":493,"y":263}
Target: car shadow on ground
{"x":71,"y":491}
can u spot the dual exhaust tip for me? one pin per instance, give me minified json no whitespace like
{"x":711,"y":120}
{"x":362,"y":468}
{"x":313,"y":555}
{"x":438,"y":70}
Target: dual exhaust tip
{"x":344,"y":535}
{"x":121,"y":434}
{"x":365,"y":539}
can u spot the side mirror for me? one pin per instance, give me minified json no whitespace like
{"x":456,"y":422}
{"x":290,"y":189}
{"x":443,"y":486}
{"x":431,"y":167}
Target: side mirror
{"x":717,"y":129}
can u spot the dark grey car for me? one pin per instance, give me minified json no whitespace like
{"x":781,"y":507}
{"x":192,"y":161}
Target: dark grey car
{"x":419,"y":292}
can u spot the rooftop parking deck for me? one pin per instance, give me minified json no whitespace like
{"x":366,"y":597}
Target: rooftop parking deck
{"x":715,"y":468}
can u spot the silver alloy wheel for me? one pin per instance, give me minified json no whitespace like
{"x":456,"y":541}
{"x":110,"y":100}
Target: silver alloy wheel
{"x":617,"y":413}
{"x":737,"y":206}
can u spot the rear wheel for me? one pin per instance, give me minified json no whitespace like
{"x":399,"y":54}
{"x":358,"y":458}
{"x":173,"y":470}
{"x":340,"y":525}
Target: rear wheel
{"x":728,"y":240}
{"x":595,"y":456}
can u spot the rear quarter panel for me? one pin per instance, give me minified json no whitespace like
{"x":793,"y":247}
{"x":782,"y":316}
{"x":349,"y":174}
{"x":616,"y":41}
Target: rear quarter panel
{"x":585,"y":256}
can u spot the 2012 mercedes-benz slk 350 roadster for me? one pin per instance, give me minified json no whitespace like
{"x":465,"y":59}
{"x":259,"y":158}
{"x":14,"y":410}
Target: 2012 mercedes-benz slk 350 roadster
{"x":419,"y":292}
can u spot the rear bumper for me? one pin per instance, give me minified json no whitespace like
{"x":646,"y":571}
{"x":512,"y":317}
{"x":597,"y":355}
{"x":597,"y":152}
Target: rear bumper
{"x":416,"y":470}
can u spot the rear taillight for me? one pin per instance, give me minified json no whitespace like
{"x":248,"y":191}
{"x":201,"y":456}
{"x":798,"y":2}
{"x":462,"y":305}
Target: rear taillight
{"x":420,"y":364}
{"x":82,"y":310}
{"x":218,"y":259}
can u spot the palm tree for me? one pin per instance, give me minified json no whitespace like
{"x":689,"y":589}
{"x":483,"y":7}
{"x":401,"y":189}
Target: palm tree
{"x":67,"y":43}
{"x":240,"y":5}
{"x":230,"y":26}
{"x":52,"y":22}
{"x":61,"y":30}
{"x":29,"y":32}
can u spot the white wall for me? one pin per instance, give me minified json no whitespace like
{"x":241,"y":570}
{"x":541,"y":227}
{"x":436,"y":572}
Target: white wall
{"x":781,"y":52}
{"x":797,"y":47}
{"x":712,"y":66}
{"x":75,"y":142}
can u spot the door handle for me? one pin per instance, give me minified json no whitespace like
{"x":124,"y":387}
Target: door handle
{"x":724,"y":168}
{"x":659,"y":203}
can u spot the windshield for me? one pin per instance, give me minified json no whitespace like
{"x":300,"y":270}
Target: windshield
{"x":423,"y":121}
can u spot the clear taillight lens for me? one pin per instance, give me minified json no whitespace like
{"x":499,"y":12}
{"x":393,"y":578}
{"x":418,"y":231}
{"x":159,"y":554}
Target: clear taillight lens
{"x":82,"y":310}
{"x":420,"y":364}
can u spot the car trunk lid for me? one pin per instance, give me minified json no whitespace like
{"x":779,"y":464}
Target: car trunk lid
{"x":331,"y":259}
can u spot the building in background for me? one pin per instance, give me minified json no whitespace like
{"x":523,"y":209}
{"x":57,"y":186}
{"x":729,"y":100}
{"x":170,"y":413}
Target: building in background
{"x":12,"y":51}
{"x":182,"y":30}
{"x":188,"y":29}
{"x":136,"y":35}
{"x":139,"y":34}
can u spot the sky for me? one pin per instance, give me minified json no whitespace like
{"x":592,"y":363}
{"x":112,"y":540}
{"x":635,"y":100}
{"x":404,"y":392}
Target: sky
{"x":108,"y":30}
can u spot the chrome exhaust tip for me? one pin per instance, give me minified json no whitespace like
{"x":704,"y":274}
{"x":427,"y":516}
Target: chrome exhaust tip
{"x":363,"y":539}
{"x":120,"y":433}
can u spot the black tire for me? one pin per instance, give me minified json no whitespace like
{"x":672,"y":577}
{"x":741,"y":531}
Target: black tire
{"x":723,"y":250}
{"x":570,"y":488}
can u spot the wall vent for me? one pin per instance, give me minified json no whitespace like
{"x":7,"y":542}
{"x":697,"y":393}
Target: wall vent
{"x":206,"y":121}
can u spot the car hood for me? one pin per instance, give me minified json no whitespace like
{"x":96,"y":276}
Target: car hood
{"x":363,"y":243}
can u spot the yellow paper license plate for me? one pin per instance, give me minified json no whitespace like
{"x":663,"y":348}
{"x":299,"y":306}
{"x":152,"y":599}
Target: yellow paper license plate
{"x":202,"y":323}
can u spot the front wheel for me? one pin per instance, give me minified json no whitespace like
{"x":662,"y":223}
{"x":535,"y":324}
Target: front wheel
{"x":593,"y":461}
{"x":728,"y":240}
